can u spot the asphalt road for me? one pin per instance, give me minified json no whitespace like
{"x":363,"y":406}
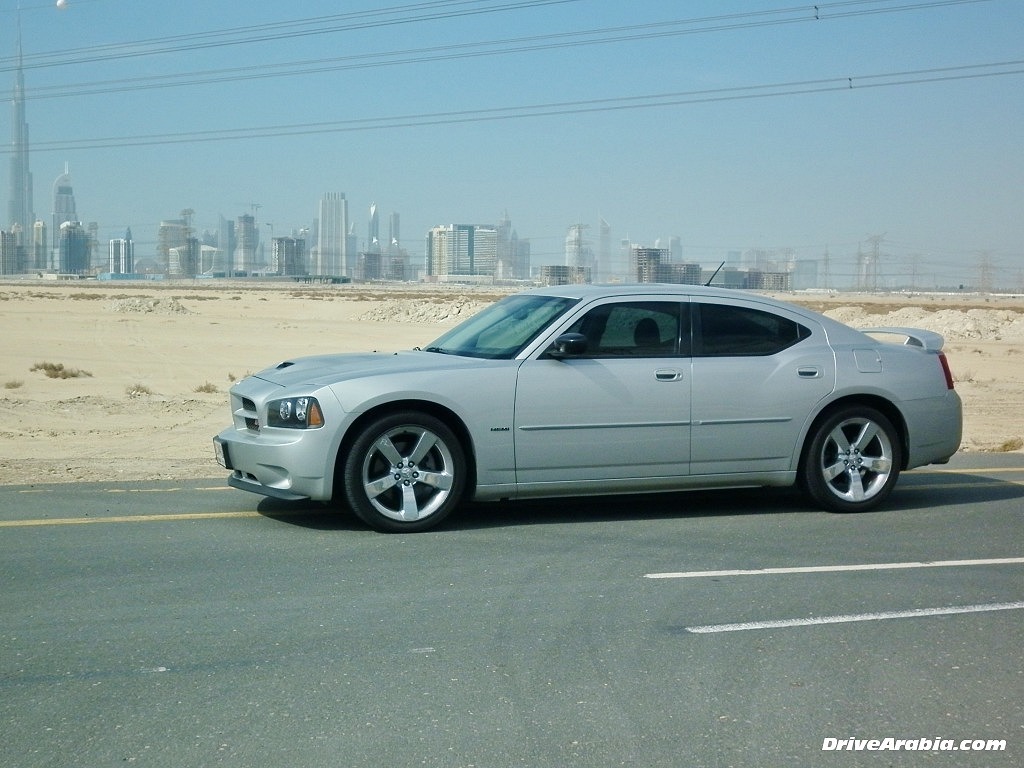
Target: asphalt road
{"x":193,"y":625}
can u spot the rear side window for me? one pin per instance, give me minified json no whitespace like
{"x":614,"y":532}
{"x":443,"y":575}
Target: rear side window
{"x":721,"y":330}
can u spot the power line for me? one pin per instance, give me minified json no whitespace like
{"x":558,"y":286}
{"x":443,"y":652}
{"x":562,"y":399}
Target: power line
{"x":284,"y":30}
{"x":530,"y":44}
{"x":554,"y":109}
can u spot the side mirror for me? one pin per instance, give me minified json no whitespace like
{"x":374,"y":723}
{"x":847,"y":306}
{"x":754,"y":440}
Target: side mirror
{"x":568,"y":345}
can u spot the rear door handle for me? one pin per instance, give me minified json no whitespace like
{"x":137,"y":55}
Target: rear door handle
{"x":809,"y":372}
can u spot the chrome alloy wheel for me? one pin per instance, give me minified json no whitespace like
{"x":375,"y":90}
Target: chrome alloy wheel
{"x":408,"y":473}
{"x":856,"y":459}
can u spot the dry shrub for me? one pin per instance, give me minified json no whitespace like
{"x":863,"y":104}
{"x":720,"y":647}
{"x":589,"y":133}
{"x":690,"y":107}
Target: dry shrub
{"x":59,"y":371}
{"x":1007,"y":446}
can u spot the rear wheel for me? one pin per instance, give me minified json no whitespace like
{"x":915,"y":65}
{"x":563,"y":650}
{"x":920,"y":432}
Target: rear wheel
{"x":405,"y":472}
{"x":852,"y":461}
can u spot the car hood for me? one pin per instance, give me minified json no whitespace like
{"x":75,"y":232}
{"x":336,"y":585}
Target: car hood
{"x":322,"y":370}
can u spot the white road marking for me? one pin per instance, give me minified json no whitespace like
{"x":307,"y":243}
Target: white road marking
{"x":854,"y":617}
{"x":835,"y":568}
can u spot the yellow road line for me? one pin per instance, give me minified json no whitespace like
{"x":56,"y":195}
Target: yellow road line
{"x":126,"y":519}
{"x":57,"y":488}
{"x":966,"y":471}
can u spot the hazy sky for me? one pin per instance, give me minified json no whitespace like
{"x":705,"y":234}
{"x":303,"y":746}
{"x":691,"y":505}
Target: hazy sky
{"x":729,"y":124}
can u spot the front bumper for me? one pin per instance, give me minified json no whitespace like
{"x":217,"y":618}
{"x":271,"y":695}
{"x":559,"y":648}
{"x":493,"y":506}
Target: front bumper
{"x":290,"y":466}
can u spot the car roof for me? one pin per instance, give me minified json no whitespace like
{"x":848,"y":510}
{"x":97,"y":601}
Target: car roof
{"x":592,"y":291}
{"x":595,"y":290}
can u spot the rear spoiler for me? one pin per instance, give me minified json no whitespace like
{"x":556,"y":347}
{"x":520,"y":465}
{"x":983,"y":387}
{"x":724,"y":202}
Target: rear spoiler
{"x":913,"y":337}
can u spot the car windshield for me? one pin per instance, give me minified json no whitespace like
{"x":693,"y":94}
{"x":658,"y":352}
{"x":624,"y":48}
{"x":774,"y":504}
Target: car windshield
{"x":501,"y":330}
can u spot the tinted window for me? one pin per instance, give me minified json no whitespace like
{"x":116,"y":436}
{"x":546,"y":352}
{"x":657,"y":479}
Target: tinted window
{"x":501,"y":330}
{"x":725,"y":330}
{"x":631,"y":329}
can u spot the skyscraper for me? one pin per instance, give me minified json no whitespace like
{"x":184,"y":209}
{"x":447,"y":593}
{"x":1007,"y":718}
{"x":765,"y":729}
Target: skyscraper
{"x":121,"y":255}
{"x":73,"y":249}
{"x":373,"y":233}
{"x":578,"y":253}
{"x":246,"y":241}
{"x":8,"y":253}
{"x":288,"y":256}
{"x":171,"y":237}
{"x":63,"y":207}
{"x":330,"y":256}
{"x":462,"y":249}
{"x":40,"y":258}
{"x":20,"y":206}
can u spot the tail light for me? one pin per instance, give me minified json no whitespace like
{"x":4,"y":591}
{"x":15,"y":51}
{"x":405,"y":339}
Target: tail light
{"x":945,"y":370}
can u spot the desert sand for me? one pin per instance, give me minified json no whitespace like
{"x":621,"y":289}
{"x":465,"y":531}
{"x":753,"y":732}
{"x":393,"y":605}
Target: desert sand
{"x":128,"y":382}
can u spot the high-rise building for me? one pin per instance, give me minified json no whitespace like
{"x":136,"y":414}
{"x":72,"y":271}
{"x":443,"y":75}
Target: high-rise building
{"x":394,"y":236}
{"x":171,"y":236}
{"x":578,"y":253}
{"x":246,"y":243}
{"x":462,"y":249}
{"x":655,"y":265}
{"x":505,"y":267}
{"x":513,"y":262}
{"x":73,"y":249}
{"x":93,"y":230}
{"x":288,"y":256}
{"x":373,"y":231}
{"x":8,"y":253}
{"x":40,"y":258}
{"x":225,"y":244}
{"x":20,"y":206}
{"x":121,"y":255}
{"x":607,"y":270}
{"x":330,"y":255}
{"x":466,"y":251}
{"x":395,"y":259}
{"x":63,"y":207}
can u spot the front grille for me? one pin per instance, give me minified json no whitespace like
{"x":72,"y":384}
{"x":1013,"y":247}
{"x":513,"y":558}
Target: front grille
{"x":249,"y":415}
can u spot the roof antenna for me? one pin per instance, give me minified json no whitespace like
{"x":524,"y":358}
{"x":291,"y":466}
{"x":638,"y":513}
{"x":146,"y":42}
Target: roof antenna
{"x":714,"y":274}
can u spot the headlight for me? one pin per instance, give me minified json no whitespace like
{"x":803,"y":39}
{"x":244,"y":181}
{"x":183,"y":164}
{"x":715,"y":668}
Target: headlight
{"x":295,"y":413}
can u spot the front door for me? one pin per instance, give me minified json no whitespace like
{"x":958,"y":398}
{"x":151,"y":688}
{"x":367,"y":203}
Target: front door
{"x":621,"y":410}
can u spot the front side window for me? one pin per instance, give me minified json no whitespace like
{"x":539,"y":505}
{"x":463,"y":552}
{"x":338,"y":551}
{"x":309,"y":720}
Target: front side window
{"x":501,"y":330}
{"x":722,"y":330}
{"x":631,"y":329}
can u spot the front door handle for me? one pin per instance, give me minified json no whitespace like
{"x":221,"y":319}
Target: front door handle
{"x":668,"y":374}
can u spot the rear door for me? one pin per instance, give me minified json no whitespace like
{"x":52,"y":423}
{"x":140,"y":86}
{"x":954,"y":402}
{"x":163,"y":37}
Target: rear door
{"x":757,"y":374}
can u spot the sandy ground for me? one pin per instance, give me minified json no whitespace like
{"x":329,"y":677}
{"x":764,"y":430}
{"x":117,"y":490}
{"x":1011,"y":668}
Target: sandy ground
{"x":108,"y":382}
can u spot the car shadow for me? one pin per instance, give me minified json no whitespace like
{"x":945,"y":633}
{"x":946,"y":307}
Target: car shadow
{"x":927,"y":491}
{"x":315,"y":515}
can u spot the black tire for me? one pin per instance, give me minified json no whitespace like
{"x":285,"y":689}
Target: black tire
{"x":405,"y":472}
{"x":852,"y":461}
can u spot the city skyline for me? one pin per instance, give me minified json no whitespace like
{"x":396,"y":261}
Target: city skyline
{"x":933,"y":167}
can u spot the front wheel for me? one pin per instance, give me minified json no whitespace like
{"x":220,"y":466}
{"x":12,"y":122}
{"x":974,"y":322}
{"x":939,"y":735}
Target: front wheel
{"x":405,"y":472}
{"x":852,"y":461}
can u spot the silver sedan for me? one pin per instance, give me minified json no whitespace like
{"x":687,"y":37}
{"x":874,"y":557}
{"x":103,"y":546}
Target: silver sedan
{"x":586,"y":390}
